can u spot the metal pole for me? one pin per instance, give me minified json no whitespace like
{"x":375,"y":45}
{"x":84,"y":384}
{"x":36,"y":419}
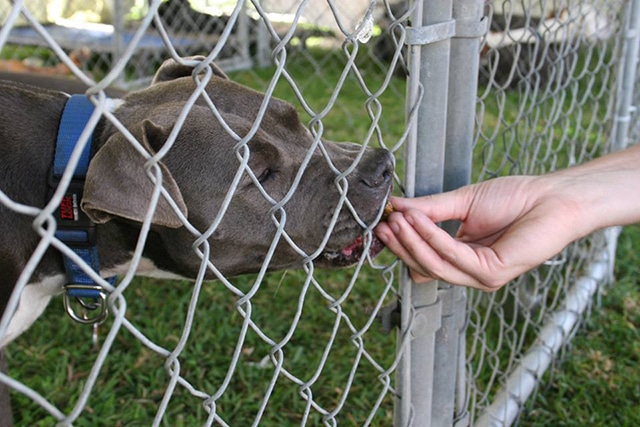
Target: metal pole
{"x":461,"y":108}
{"x":628,"y":70}
{"x":421,"y":309}
{"x":402,"y":410}
{"x":118,"y":36}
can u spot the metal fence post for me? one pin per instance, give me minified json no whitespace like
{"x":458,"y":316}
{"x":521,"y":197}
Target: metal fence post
{"x":627,"y":78}
{"x":461,"y":107}
{"x":118,"y":34}
{"x":430,"y":40}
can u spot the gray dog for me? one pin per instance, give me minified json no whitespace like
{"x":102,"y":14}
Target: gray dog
{"x":197,"y":172}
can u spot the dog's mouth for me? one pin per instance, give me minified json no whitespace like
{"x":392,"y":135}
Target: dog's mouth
{"x":352,"y":253}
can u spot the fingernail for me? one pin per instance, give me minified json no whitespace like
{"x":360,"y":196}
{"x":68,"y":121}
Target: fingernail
{"x":394,"y":226}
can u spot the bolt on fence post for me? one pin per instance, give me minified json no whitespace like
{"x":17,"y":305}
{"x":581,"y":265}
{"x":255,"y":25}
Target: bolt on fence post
{"x":450,"y":354}
{"x":627,"y":77}
{"x":429,"y":39}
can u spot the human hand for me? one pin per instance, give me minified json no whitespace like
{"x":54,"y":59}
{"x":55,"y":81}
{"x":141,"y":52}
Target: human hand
{"x":508,"y":226}
{"x":512,"y":224}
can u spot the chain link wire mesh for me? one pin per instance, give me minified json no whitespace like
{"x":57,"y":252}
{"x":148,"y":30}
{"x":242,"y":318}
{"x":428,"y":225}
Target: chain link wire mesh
{"x":547,"y":100}
{"x":268,"y":349}
{"x":306,"y":347}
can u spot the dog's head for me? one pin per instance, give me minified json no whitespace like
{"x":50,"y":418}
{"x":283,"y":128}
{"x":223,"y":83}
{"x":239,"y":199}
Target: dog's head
{"x":206,"y":161}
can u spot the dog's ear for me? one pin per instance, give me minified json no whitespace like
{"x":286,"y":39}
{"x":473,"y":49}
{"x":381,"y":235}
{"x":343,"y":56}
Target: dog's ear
{"x":117,"y":185}
{"x":172,"y":69}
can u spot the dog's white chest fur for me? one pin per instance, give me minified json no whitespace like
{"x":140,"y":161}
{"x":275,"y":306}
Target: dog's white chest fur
{"x":36,"y":296}
{"x":33,"y":301}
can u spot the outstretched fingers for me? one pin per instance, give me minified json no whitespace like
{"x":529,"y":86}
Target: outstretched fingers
{"x":427,"y":250}
{"x":451,"y":260}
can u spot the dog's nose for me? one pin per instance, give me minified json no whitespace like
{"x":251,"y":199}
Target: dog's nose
{"x":378,"y":169}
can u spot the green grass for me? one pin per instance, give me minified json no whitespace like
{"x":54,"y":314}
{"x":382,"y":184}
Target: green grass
{"x":133,"y":381}
{"x":598,"y":384}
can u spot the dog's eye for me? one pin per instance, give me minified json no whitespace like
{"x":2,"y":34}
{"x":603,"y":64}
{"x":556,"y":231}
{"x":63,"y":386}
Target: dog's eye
{"x":266,"y":175}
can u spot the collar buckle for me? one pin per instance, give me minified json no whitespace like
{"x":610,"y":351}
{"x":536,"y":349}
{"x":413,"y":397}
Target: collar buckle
{"x":90,"y":307}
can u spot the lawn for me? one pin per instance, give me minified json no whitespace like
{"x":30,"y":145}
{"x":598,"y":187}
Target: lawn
{"x":598,"y":382}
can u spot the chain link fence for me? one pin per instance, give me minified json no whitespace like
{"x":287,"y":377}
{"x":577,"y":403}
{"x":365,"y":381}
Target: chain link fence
{"x":550,"y":71}
{"x":262,"y":349}
{"x":458,"y":91}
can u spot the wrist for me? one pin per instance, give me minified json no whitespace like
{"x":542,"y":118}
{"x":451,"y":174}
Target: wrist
{"x":568,"y":201}
{"x":601,"y":193}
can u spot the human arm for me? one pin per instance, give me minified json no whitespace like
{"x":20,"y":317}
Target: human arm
{"x":512,"y":224}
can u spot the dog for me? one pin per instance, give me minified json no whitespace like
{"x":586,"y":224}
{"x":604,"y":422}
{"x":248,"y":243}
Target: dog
{"x":197,"y":172}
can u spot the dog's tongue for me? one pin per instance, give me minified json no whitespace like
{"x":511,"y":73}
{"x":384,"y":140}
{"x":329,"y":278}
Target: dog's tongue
{"x":349,"y":249}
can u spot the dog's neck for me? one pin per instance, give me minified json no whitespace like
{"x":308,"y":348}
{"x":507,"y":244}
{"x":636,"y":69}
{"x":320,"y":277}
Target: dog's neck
{"x":112,"y":104}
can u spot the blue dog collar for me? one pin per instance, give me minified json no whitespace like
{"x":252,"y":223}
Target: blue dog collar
{"x":75,"y":229}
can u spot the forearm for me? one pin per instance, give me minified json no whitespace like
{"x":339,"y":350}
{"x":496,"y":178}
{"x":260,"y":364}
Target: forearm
{"x":606,"y":191}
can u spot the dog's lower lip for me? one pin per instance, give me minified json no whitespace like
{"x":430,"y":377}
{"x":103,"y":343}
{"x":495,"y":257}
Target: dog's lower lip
{"x":348,"y":251}
{"x":350,"y":254}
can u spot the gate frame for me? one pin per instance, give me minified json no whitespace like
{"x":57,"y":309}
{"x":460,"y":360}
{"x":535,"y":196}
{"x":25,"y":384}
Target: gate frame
{"x":444,"y":45}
